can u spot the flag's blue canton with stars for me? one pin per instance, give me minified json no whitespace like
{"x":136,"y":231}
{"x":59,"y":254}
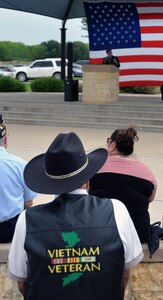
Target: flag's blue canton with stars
{"x":112,"y":25}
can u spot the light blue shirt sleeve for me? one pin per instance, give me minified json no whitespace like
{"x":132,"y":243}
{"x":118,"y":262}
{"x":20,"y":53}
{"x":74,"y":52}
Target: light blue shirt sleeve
{"x":13,"y":192}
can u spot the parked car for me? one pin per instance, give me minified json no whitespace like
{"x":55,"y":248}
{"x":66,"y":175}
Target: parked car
{"x":43,"y":68}
{"x":82,"y":62}
{"x":6,"y":71}
{"x":18,"y":65}
{"x":77,"y":70}
{"x":39,"y":68}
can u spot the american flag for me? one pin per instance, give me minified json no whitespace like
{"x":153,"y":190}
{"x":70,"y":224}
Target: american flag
{"x":134,"y":31}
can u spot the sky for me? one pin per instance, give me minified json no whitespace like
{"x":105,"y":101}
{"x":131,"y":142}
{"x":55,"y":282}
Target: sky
{"x":32,"y":29}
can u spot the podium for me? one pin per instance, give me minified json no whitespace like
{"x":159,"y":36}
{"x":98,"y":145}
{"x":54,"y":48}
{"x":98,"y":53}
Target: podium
{"x":100,"y":83}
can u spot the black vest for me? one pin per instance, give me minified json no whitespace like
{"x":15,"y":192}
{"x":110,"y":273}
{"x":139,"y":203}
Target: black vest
{"x":74,"y":250}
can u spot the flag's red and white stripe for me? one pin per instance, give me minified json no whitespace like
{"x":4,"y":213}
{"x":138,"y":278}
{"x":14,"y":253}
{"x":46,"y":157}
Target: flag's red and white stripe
{"x":142,"y":66}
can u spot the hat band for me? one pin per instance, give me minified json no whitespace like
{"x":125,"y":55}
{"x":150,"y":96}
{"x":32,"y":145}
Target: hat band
{"x":68,"y":175}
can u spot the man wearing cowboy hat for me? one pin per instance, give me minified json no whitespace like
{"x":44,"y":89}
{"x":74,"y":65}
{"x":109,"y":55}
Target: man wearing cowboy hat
{"x":14,"y":194}
{"x":77,"y":246}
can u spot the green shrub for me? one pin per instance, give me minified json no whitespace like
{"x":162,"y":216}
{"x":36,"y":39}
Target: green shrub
{"x":49,"y":84}
{"x":8,"y":84}
{"x":139,"y":89}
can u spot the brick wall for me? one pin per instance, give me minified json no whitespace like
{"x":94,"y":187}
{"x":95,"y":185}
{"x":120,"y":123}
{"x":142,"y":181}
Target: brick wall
{"x":146,"y":281}
{"x":100,"y":83}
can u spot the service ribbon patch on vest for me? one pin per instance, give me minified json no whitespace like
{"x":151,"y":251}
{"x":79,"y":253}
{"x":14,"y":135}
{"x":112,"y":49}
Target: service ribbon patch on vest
{"x":72,"y":260}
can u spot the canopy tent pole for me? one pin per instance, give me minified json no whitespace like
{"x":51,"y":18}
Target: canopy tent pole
{"x":63,"y":39}
{"x":63,"y":44}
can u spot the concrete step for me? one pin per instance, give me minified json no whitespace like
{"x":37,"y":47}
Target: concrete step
{"x":70,"y":111}
{"x":50,"y":109}
{"x":80,"y":124}
{"x":79,"y":104}
{"x":144,"y":101}
{"x":87,"y":118}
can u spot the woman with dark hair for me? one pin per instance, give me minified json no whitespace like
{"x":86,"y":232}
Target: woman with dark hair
{"x":125,"y":178}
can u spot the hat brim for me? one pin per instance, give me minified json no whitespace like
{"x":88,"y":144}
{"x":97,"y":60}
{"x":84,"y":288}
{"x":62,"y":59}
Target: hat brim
{"x":37,"y":180}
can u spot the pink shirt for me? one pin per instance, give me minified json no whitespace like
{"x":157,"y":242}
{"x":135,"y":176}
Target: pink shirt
{"x":129,"y":166}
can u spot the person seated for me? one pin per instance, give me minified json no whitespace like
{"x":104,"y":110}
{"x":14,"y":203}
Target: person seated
{"x":127,"y":179}
{"x":14,"y":194}
{"x":110,"y":59}
{"x":77,"y":246}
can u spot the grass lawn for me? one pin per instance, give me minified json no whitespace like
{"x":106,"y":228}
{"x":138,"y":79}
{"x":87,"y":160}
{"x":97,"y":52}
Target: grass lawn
{"x":28,"y":86}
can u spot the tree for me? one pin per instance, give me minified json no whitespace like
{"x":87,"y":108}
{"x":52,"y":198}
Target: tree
{"x":53,"y":48}
{"x":80,"y":50}
{"x":3,"y":51}
{"x":37,"y":52}
{"x":10,"y":51}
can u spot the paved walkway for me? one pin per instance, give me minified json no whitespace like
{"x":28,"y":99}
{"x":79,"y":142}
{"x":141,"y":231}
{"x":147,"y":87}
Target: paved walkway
{"x":27,"y":141}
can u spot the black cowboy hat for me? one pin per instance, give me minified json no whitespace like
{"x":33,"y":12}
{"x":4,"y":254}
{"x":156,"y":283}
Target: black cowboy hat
{"x":64,"y":167}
